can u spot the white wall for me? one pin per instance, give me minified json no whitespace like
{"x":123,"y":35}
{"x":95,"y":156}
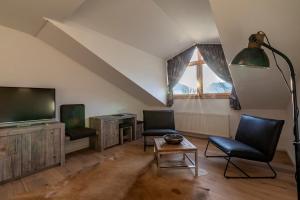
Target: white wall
{"x":213,"y":106}
{"x":27,"y":61}
{"x":236,"y":20}
{"x":289,"y":139}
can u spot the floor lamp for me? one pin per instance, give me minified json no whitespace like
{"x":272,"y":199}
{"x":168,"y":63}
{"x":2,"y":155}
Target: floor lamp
{"x":254,"y":56}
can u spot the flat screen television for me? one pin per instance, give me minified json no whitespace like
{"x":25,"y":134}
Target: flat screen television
{"x":20,"y":104}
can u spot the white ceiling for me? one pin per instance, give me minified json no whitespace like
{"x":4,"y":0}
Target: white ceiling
{"x":27,"y":15}
{"x":160,"y":27}
{"x":236,"y":20}
{"x":194,"y":17}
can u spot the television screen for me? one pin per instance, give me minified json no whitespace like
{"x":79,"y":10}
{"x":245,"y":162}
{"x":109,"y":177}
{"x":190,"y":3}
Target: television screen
{"x":19,"y":104}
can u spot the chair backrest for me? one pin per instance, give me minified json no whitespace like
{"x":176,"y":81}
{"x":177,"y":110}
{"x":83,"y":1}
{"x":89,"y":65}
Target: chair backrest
{"x":73,"y":115}
{"x":159,"y":119}
{"x":260,"y":133}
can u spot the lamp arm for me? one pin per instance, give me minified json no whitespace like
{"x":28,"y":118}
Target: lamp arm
{"x":293,"y":82}
{"x":295,"y":111}
{"x":283,"y":56}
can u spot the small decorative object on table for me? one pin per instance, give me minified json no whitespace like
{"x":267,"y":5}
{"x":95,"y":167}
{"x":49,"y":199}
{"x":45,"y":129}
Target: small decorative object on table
{"x":173,"y":138}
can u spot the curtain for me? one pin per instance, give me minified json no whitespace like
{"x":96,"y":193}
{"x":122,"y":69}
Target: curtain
{"x":175,"y":69}
{"x":214,"y":57}
{"x":234,"y":100}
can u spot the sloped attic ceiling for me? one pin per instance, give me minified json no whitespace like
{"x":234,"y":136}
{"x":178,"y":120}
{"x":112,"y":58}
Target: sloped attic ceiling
{"x":236,"y":20}
{"x":142,"y":25}
{"x":159,"y":27}
{"x":146,"y":25}
{"x":27,"y":15}
{"x":163,"y":28}
{"x":114,"y":61}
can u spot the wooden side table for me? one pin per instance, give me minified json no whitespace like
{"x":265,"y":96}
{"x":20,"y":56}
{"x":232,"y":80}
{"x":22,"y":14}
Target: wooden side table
{"x":107,"y":129}
{"x":161,"y":147}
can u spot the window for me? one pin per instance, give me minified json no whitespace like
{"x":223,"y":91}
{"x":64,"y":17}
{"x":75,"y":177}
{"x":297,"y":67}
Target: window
{"x":200,"y":81}
{"x":188,"y":82}
{"x":212,"y":83}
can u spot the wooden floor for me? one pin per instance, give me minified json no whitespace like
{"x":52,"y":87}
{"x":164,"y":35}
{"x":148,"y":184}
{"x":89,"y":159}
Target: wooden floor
{"x":219,"y":188}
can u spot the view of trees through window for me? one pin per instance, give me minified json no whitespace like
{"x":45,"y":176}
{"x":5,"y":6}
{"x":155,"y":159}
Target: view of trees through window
{"x":188,"y":82}
{"x":199,"y":79}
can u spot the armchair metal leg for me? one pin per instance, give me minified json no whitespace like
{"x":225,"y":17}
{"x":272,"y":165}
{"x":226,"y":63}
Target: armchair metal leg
{"x":207,"y":156}
{"x":229,"y":161}
{"x":206,"y":149}
{"x":247,"y":176}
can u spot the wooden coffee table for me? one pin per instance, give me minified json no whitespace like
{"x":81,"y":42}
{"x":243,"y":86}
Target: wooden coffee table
{"x":161,"y":147}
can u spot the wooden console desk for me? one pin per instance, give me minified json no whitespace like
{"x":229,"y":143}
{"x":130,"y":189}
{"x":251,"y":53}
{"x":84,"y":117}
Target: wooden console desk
{"x":107,"y":127}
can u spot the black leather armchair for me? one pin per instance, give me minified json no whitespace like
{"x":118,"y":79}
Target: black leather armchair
{"x":256,"y":139}
{"x":158,"y":123}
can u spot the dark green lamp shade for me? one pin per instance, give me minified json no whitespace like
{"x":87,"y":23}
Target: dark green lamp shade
{"x":252,"y":57}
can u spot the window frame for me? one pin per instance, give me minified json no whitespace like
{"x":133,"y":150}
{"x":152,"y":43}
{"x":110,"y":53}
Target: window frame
{"x":200,"y":95}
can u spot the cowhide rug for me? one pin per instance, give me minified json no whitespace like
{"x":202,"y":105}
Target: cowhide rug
{"x":169,"y":184}
{"x":124,"y":172}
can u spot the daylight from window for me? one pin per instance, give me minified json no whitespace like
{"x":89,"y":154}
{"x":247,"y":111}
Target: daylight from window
{"x":212,"y":83}
{"x":200,"y":77}
{"x":188,"y":82}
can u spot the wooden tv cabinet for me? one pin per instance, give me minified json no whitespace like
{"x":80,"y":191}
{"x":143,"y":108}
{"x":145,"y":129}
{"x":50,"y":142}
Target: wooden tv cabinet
{"x":26,"y":150}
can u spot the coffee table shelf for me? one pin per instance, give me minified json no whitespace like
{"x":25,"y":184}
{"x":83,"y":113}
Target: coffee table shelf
{"x":184,"y":148}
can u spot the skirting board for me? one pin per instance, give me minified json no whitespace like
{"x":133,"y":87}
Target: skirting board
{"x":196,"y":135}
{"x":292,"y":157}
